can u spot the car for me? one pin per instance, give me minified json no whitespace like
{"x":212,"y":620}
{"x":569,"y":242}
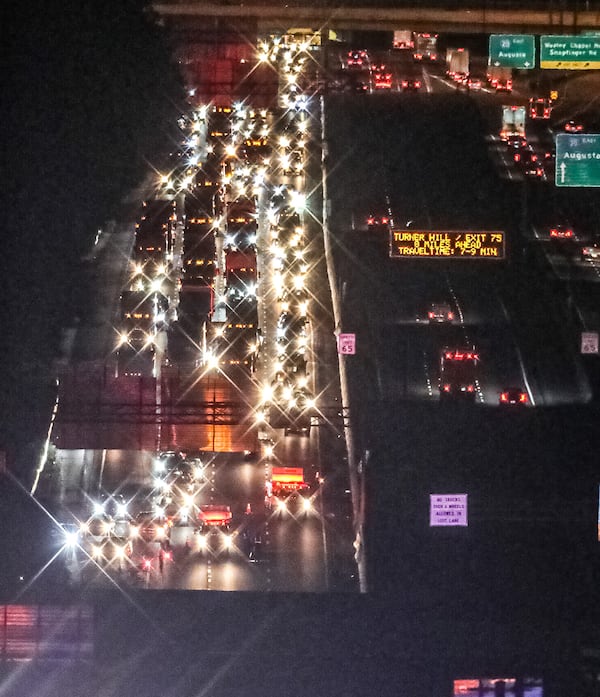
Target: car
{"x":515,"y":141}
{"x":382,"y":78}
{"x":523,"y":150}
{"x":562,"y":231}
{"x":529,"y":163}
{"x":379,"y":223}
{"x":357,"y":59}
{"x":513,"y":396}
{"x":410,"y":84}
{"x":573,"y":127}
{"x":440,"y":312}
{"x":591,"y":251}
{"x":150,"y":527}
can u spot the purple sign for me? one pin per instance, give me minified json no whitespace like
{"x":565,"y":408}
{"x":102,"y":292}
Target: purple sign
{"x":447,"y":510}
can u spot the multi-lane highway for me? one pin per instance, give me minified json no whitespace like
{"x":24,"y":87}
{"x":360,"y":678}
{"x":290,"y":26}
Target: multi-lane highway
{"x":432,"y":159}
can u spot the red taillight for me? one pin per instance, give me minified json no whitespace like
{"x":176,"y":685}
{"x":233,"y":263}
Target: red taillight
{"x":431,"y":315}
{"x":384,"y":221}
{"x":167,"y":556}
{"x":517,"y":157}
{"x":417,"y":83}
{"x":523,"y":398}
{"x":147,"y":564}
{"x":446,"y":388}
{"x":451,"y":316}
{"x":470,"y":388}
{"x":504,"y":397}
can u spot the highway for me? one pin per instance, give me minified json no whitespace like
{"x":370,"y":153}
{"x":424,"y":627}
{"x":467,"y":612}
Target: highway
{"x":432,"y":160}
{"x":114,"y":418}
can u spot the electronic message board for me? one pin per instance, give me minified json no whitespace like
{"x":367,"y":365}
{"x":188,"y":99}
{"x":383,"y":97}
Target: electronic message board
{"x":447,"y":244}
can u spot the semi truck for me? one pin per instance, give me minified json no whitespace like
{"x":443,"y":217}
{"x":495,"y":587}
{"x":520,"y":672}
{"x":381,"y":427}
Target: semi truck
{"x":457,"y":64}
{"x":500,"y":78}
{"x":513,"y":122}
{"x":426,"y":47}
{"x":199,"y":249}
{"x":153,"y":233}
{"x":403,"y":38}
{"x":458,"y":373}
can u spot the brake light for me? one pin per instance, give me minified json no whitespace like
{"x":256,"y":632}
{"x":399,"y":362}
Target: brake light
{"x":504,"y":397}
{"x":446,"y":388}
{"x":451,"y":316}
{"x":523,"y":398}
{"x":418,"y":83}
{"x":431,"y":315}
{"x":470,"y":388}
{"x":517,"y":157}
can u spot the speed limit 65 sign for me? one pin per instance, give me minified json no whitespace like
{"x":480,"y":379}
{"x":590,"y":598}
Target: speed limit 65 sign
{"x":347,"y":344}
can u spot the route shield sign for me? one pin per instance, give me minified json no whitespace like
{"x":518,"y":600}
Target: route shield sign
{"x":570,"y":52}
{"x":512,"y":50}
{"x":577,"y":159}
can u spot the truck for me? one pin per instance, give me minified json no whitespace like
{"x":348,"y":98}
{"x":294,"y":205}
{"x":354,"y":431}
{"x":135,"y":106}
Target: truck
{"x":214,"y":522}
{"x":286,"y":481}
{"x":457,"y":64}
{"x":513,"y":122}
{"x":153,"y":233}
{"x":199,"y":249}
{"x":458,"y":373}
{"x":403,"y":38}
{"x":500,"y":78}
{"x":426,"y":47}
{"x":540,"y":107}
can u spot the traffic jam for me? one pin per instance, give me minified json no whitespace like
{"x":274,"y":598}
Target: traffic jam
{"x":232,"y":204}
{"x":220,"y":280}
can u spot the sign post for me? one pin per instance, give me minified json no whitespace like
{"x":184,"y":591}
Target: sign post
{"x":447,"y":510}
{"x":512,"y":50}
{"x":570,"y":52}
{"x":577,"y":159}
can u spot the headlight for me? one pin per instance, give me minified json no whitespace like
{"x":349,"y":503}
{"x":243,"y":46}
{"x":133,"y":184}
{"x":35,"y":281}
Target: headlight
{"x":160,"y":532}
{"x":281,"y":506}
{"x":202,"y":541}
{"x":306,"y":505}
{"x":227,"y":541}
{"x":96,"y":552}
{"x":71,"y":538}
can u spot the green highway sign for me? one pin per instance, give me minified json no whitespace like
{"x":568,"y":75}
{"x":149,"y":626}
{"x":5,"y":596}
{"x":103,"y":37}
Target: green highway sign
{"x":570,"y":52}
{"x":512,"y":50}
{"x":577,"y":159}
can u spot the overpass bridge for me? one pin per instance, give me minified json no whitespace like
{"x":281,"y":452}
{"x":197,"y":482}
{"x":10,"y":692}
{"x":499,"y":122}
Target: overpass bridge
{"x":550,"y":16}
